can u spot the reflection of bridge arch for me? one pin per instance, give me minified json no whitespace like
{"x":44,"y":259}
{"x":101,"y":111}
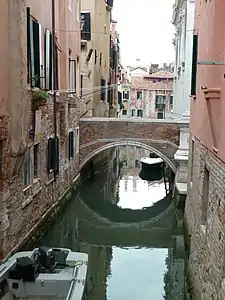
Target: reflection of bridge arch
{"x":117,"y":142}
{"x":127,"y":237}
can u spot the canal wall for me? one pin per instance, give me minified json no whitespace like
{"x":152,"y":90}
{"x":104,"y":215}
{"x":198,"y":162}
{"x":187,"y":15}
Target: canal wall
{"x":47,"y":219}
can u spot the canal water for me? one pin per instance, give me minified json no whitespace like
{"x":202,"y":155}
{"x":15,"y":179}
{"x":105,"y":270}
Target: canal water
{"x":130,"y":231}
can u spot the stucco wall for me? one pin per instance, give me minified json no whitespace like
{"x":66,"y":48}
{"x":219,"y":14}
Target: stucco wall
{"x":210,"y":79}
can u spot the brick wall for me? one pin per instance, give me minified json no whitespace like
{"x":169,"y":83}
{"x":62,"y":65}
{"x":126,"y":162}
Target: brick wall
{"x":162,"y":136}
{"x":207,"y":243}
{"x":27,"y":205}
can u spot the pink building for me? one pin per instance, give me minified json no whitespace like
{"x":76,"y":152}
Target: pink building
{"x":205,"y":204}
{"x":152,"y":95}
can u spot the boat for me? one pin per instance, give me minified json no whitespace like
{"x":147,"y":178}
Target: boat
{"x":46,"y":272}
{"x":151,"y":168}
{"x":151,"y":163}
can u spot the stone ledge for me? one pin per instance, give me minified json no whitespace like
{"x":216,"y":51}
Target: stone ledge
{"x":133,"y":120}
{"x":181,"y":188}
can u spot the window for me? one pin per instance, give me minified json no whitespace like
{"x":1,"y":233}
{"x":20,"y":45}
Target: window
{"x":100,"y":62}
{"x":133,"y":113}
{"x":192,"y":158}
{"x":70,"y":5}
{"x":81,"y":85}
{"x":160,"y":102}
{"x":194,"y":64}
{"x":160,"y":115}
{"x":140,"y":113}
{"x":27,"y":169}
{"x":126,"y":95}
{"x":53,"y":155}
{"x":71,"y":145}
{"x":34,"y":51}
{"x":48,"y":60}
{"x":171,"y":100}
{"x":85,"y":26}
{"x":124,"y":112}
{"x":205,"y":196}
{"x":139,"y":95}
{"x":72,"y":73}
{"x":77,"y":140}
{"x":96,"y":56}
{"x":103,"y":89}
{"x":36,"y":160}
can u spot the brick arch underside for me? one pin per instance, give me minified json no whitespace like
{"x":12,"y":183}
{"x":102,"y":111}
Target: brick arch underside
{"x":163,"y":149}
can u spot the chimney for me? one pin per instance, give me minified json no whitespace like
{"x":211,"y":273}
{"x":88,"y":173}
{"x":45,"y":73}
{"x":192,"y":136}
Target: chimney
{"x":138,"y":62}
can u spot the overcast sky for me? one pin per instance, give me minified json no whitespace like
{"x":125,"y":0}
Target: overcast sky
{"x":145,"y":30}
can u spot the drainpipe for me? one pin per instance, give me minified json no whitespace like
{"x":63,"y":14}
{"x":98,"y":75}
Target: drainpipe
{"x":54,"y":87}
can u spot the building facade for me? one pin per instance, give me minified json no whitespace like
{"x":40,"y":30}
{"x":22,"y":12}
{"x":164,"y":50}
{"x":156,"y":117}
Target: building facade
{"x":39,"y":115}
{"x":183,"y":20}
{"x":124,"y":89}
{"x":151,"y":95}
{"x":98,"y":57}
{"x":205,"y":202}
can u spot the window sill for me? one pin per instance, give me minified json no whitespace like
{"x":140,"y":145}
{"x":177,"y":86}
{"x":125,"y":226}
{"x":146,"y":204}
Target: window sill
{"x":37,"y":186}
{"x":27,"y":201}
{"x":27,"y":188}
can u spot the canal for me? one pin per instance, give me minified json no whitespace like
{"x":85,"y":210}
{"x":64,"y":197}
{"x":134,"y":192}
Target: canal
{"x":130,"y":230}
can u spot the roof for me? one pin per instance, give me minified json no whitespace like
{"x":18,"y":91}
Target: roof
{"x":161,"y":74}
{"x":136,"y":68}
{"x":146,"y":83}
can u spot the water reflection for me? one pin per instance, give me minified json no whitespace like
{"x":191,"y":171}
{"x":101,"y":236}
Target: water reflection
{"x":128,"y":265}
{"x":137,"y":261}
{"x":136,"y":193}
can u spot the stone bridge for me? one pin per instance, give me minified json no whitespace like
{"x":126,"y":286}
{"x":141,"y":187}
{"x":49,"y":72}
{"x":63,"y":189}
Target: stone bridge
{"x":159,"y":136}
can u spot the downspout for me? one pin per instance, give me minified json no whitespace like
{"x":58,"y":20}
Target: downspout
{"x":54,"y":88}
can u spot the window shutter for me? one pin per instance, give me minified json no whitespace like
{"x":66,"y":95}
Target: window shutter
{"x":56,"y":156}
{"x":50,"y":154}
{"x":28,"y":46}
{"x":48,"y":60}
{"x":71,"y":144}
{"x":86,"y":26}
{"x":194,"y":64}
{"x":36,"y":41}
{"x":156,"y":101}
{"x":103,"y":82}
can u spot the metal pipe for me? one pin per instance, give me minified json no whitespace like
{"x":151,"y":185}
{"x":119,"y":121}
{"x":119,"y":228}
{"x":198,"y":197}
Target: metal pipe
{"x":54,"y":86}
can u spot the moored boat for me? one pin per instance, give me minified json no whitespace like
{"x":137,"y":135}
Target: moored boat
{"x":148,"y":162}
{"x":151,"y":168}
{"x":46,"y":272}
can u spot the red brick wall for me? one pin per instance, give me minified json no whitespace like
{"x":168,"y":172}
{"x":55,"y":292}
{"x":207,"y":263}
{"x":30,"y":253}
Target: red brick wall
{"x":162,"y":136}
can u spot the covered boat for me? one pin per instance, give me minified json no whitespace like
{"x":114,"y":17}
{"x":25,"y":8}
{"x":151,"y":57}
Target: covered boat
{"x":46,"y":272}
{"x":151,"y":168}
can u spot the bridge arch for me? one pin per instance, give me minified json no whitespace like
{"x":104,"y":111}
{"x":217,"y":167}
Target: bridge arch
{"x":128,"y":143}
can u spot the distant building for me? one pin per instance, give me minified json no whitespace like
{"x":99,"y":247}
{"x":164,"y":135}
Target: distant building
{"x":124,"y":91}
{"x":151,"y":95}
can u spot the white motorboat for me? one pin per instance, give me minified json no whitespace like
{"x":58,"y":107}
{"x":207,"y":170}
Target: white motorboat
{"x":46,"y":272}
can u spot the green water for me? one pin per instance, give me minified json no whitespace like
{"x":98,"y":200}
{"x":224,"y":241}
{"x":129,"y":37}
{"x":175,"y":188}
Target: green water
{"x":127,"y":260}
